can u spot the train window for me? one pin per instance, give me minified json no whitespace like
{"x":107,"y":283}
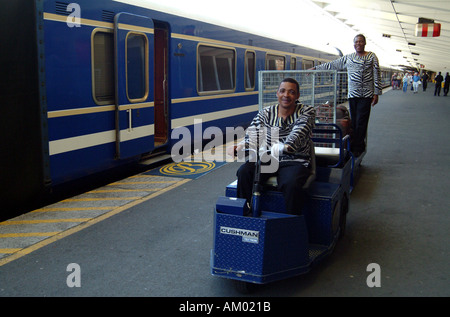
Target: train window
{"x":137,"y":67}
{"x":275,"y":62}
{"x":250,"y":67}
{"x":216,"y":69}
{"x":293,"y":63}
{"x":103,"y":89}
{"x":307,"y":64}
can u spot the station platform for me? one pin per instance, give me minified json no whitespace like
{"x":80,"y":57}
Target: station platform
{"x":151,"y":234}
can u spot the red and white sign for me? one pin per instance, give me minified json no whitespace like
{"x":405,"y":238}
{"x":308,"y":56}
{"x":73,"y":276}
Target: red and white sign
{"x":428,"y":29}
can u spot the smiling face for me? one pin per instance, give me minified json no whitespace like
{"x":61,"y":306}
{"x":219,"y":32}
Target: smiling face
{"x":287,"y":95}
{"x":359,"y":43}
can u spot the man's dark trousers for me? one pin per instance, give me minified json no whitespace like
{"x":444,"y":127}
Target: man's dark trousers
{"x":291,"y":176}
{"x":360,"y":113}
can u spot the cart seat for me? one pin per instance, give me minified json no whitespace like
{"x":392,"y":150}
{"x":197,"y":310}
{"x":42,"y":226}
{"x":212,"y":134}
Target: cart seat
{"x":328,"y":156}
{"x":272,"y":181}
{"x":331,"y":145}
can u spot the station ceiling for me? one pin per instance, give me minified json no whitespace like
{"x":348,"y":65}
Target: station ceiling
{"x":391,"y":24}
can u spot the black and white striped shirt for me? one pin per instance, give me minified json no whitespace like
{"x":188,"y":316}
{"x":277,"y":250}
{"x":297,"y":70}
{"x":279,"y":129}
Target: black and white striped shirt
{"x":267,"y":128}
{"x":364,"y":75}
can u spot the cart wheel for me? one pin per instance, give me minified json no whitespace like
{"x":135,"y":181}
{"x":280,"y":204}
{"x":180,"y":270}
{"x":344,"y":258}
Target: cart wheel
{"x":336,"y":218}
{"x":343,"y":218}
{"x":243,"y":287}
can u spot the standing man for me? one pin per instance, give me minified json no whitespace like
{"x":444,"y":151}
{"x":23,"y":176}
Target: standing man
{"x":424,"y":81}
{"x":437,"y":88}
{"x":364,"y":87}
{"x":293,"y":123}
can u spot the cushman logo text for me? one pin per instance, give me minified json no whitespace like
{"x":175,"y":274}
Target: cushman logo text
{"x":247,"y":235}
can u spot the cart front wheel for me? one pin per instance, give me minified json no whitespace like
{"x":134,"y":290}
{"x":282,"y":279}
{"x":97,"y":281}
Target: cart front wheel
{"x":343,"y":219}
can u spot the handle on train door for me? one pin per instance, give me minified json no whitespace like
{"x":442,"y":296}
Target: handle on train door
{"x":130,"y":122}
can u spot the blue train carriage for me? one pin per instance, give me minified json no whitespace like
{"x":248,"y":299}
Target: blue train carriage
{"x":274,"y":245}
{"x":88,"y":86}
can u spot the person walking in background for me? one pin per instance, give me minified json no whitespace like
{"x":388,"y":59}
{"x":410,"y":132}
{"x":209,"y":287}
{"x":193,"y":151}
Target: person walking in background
{"x":437,"y":88}
{"x":424,"y":81}
{"x":446,"y":84}
{"x":394,"y":81}
{"x":416,"y":82}
{"x":405,"y":83}
{"x":399,"y":80}
{"x":364,"y":87}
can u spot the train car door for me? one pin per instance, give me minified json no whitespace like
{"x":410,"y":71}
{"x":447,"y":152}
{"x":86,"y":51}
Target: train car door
{"x":161,"y":83}
{"x":134,"y":60}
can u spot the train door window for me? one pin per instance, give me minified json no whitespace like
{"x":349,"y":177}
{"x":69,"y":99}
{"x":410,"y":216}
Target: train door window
{"x":275,"y":62}
{"x":216,"y":69}
{"x":102,"y":51}
{"x":307,"y":64}
{"x":250,"y":67}
{"x":293,"y":63}
{"x":137,"y":67}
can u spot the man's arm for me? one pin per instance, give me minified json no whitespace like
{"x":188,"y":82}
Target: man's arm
{"x":378,"y":89}
{"x":338,"y":64}
{"x":301,"y":133}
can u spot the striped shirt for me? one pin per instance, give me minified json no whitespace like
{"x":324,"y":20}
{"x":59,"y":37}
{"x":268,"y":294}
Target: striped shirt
{"x":364,"y":75}
{"x":267,"y":128}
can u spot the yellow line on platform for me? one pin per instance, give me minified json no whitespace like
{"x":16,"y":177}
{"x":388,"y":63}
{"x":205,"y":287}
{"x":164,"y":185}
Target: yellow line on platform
{"x":22,"y":222}
{"x":28,"y":234}
{"x":145,"y":182}
{"x":73,"y":209}
{"x":22,"y":252}
{"x":9,"y":250}
{"x":122,"y":190}
{"x":99,"y":199}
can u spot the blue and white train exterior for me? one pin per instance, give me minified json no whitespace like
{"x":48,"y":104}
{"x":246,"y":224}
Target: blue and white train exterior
{"x":93,"y":85}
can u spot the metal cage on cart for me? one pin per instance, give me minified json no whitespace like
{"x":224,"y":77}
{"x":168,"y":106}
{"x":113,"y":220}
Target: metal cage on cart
{"x":325,"y":90}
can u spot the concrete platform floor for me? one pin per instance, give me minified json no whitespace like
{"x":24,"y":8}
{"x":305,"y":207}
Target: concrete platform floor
{"x":399,"y":218}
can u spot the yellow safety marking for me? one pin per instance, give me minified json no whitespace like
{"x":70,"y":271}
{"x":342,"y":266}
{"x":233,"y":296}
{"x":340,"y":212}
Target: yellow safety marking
{"x":144,"y":176}
{"x":149,"y":182}
{"x":22,"y":222}
{"x":187,"y":168}
{"x":122,"y":190}
{"x":28,"y":234}
{"x":18,"y":253}
{"x":73,"y":209}
{"x":9,"y":250}
{"x":99,"y":199}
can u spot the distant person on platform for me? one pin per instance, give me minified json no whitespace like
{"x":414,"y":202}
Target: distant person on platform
{"x":425,"y":81}
{"x":416,"y":82}
{"x":364,"y":87}
{"x":437,"y":88}
{"x":446,"y":84}
{"x":405,"y":82}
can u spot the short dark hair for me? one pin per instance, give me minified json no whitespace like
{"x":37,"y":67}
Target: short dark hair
{"x":292,"y":81}
{"x":360,"y":35}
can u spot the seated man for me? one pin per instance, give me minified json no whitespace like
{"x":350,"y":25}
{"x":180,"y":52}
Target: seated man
{"x":293,"y":123}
